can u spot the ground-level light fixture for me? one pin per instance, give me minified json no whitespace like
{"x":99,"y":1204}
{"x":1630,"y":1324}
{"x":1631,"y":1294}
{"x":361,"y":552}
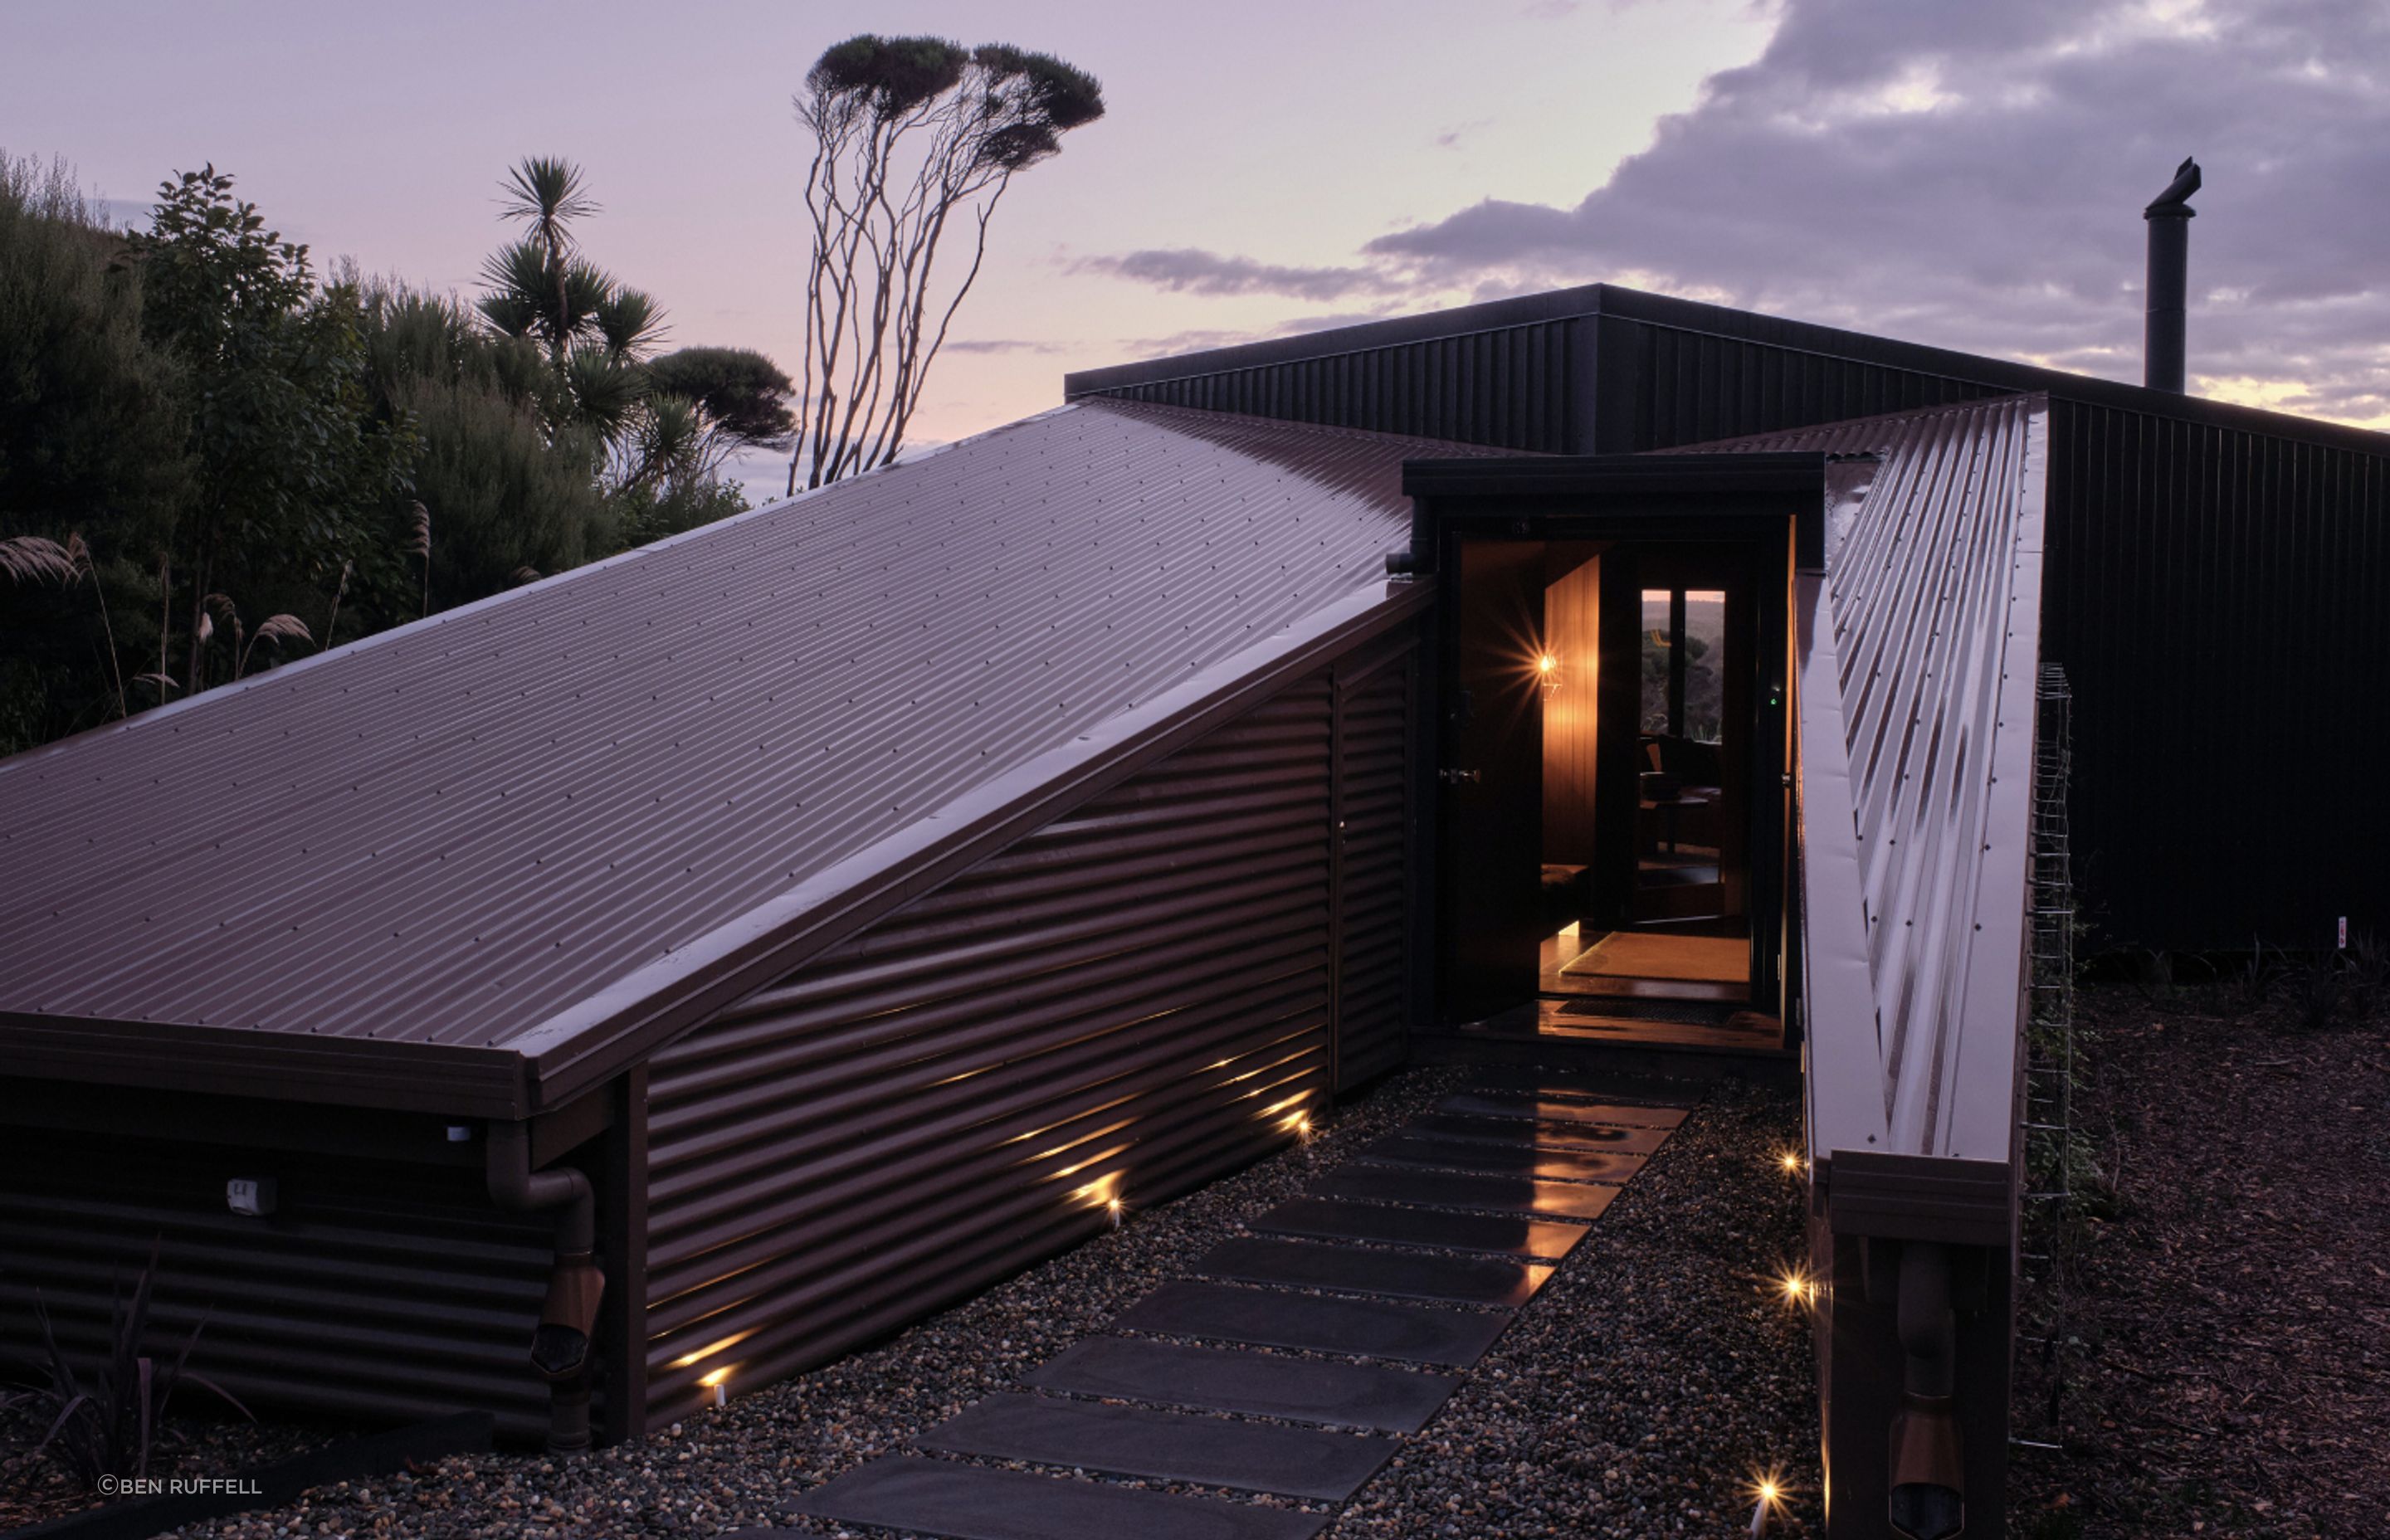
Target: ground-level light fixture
{"x":719,"y":1383}
{"x":1768,"y":1496}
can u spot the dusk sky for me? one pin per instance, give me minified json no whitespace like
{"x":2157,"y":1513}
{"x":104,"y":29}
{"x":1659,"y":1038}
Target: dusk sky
{"x":1964,"y":175}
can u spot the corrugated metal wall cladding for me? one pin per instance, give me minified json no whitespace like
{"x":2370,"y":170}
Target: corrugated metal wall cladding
{"x":1375,"y":726}
{"x":449,"y":833}
{"x":1920,"y":648}
{"x":2216,"y":600}
{"x":1509,"y":387}
{"x":1692,"y":388}
{"x":382,"y":1292}
{"x":932,"y":1105}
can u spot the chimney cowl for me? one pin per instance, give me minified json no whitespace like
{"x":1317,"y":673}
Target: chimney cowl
{"x":2173,"y":202}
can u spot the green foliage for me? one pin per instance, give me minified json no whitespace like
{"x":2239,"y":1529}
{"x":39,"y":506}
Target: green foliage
{"x":194,"y":430}
{"x":288,"y":457}
{"x":887,"y":76}
{"x":743,"y":395}
{"x":91,"y":415}
{"x":504,"y":494}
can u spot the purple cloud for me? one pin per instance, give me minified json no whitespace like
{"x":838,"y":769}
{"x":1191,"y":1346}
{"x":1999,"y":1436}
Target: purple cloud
{"x":1972,"y":176}
{"x":1187,"y":270}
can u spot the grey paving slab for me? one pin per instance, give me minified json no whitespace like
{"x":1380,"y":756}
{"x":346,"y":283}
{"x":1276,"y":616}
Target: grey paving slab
{"x":1597,"y":1138}
{"x":1382,"y":1183}
{"x":1366,"y":1329}
{"x":1416,"y":1275}
{"x":1342,"y":1219}
{"x":1547,"y":1107}
{"x":1225,"y":1379}
{"x":1175,"y":1446}
{"x":1611,"y":1086}
{"x":1499,"y":1161}
{"x":969,"y":1502}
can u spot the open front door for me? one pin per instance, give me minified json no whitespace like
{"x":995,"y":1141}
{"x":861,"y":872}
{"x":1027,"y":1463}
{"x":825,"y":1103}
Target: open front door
{"x":1490,"y":781}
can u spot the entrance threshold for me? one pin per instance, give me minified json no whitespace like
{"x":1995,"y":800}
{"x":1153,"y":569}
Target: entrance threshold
{"x":1708,"y":1043}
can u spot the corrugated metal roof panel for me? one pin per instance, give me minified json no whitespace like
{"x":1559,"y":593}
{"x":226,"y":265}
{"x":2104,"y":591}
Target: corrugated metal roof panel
{"x":1919,"y":649}
{"x":448,"y":834}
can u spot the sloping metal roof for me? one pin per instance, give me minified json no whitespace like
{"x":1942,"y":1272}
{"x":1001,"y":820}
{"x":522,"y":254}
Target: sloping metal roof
{"x":1919,"y":649}
{"x":464,"y":836}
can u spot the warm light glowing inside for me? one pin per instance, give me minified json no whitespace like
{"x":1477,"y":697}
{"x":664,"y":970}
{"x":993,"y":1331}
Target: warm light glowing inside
{"x":1545,"y":664}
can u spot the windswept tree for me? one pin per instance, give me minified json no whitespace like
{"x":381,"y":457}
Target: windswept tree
{"x":915,"y":139}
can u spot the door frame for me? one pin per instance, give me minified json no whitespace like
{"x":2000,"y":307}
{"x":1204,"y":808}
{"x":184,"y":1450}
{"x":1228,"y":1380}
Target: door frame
{"x":1769,"y":501}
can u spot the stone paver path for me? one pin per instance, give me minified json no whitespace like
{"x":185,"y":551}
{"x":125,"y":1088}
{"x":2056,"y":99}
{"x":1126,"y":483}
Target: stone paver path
{"x":1393,"y":1275}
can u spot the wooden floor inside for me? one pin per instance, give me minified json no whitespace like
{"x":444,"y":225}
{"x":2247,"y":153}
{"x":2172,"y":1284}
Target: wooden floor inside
{"x":1647,"y":965}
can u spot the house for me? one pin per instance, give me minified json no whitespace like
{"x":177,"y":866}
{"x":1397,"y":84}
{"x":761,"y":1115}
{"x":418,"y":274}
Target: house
{"x":692,"y":967}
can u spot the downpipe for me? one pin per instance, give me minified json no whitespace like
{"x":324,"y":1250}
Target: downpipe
{"x":559,"y":1345}
{"x":1928,"y":1499}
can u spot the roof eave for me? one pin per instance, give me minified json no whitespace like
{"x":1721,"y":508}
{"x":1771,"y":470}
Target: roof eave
{"x":172,"y":1056}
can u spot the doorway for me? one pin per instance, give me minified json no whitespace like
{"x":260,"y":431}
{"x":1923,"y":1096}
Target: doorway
{"x":1609,"y":717}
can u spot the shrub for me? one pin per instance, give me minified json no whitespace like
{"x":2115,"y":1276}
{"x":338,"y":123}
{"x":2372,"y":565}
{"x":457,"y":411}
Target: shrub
{"x":108,"y":1426}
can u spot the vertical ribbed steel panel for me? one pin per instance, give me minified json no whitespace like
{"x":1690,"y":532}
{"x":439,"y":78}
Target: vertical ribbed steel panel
{"x":377,"y":1290}
{"x":1126,"y":1002}
{"x":1917,"y":661}
{"x":2217,"y":599}
{"x":1509,"y":388}
{"x":1377,"y":729}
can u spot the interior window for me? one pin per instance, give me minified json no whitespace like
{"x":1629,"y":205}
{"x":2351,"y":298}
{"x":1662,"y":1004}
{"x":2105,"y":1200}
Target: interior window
{"x":1658,"y":637}
{"x":1704,"y":641}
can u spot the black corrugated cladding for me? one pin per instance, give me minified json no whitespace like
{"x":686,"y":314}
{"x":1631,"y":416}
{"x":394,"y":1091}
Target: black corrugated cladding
{"x":2212,"y":579}
{"x":1126,"y":1004}
{"x":378,"y":1289}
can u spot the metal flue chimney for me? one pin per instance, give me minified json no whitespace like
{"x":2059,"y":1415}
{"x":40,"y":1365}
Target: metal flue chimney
{"x":2169,"y":218}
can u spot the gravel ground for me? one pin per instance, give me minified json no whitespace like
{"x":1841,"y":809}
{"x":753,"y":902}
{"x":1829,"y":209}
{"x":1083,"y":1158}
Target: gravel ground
{"x":1638,"y":1394}
{"x":33,"y":1490}
{"x":2232,"y":1306}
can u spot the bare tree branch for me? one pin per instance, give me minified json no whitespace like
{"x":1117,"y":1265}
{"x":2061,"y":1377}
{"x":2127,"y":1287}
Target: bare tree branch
{"x":906,"y":133}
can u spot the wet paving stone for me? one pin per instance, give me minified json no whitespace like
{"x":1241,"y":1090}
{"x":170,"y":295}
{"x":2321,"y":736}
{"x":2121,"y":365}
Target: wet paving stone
{"x":1224,"y":1380}
{"x":1340,"y":1219}
{"x":1269,"y":1317}
{"x":1418,"y":1275}
{"x":1175,"y":1446}
{"x":969,"y":1502}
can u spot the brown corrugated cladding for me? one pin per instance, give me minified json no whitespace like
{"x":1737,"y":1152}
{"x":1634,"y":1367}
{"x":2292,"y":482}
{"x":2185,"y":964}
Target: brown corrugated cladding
{"x":364,"y":875}
{"x":1377,"y":732}
{"x":380,"y":1291}
{"x":1130,"y":1001}
{"x":2212,"y":578}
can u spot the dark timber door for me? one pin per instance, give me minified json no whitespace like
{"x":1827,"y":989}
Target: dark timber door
{"x":1490,"y":782}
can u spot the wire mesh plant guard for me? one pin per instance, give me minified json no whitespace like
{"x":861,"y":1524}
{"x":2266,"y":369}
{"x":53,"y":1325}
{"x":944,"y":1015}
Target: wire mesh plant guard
{"x":2046,"y":1107}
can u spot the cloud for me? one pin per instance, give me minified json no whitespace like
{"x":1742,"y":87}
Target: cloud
{"x":1972,"y":176}
{"x":1203,"y":340}
{"x":1187,"y":270}
{"x":1004,"y":344}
